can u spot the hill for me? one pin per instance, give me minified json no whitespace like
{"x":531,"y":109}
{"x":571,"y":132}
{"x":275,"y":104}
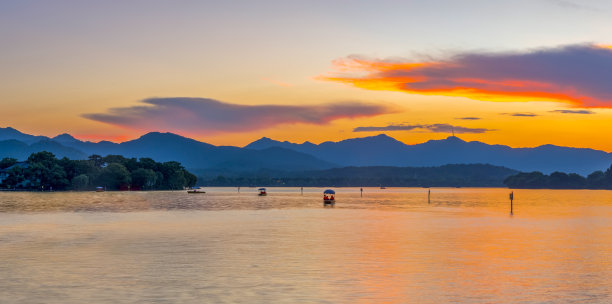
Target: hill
{"x":383,"y":150}
{"x":171,"y":147}
{"x":266,"y":153}
{"x":21,"y":150}
{"x":474,"y":175}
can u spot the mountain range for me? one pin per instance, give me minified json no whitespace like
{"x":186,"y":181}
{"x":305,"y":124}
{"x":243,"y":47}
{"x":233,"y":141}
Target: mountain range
{"x":383,"y":150}
{"x":162,"y":147}
{"x":265,"y":153}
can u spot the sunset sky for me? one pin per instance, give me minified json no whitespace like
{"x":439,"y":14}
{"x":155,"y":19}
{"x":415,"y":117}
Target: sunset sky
{"x":519,"y":73}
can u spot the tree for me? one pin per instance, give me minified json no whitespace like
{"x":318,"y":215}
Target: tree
{"x":608,"y":178}
{"x":190,"y":179}
{"x":7,"y":162}
{"x":109,"y":159}
{"x":131,"y":164}
{"x":44,"y":157}
{"x":177,"y":180}
{"x":96,"y":160}
{"x":576,"y":181}
{"x":44,"y":171}
{"x":80,"y":182}
{"x":69,"y":167}
{"x":159,"y":180}
{"x":16,"y":176}
{"x":114,"y":176}
{"x":86,"y":167}
{"x":596,"y":180}
{"x":558,"y":180}
{"x":143,"y":178}
{"x":174,"y":176}
{"x":148,"y":163}
{"x":531,"y":180}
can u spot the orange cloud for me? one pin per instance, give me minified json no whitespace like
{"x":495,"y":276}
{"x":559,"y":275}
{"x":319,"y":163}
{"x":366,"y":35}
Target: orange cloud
{"x":579,"y":75}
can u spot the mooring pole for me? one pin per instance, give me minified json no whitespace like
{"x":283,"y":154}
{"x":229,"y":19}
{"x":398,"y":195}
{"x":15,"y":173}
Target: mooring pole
{"x":511,"y":199}
{"x":429,"y":196}
{"x":302,"y":190}
{"x":361,"y":190}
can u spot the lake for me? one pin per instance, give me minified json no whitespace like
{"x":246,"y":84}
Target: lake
{"x":389,"y":246}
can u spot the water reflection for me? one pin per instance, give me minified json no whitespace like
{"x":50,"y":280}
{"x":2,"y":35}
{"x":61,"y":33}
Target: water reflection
{"x":557,"y":202}
{"x":389,"y":246}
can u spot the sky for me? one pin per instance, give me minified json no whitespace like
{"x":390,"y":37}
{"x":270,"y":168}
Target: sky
{"x":518,"y":73}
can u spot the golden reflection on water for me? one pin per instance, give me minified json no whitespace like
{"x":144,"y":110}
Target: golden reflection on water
{"x":388,"y":247}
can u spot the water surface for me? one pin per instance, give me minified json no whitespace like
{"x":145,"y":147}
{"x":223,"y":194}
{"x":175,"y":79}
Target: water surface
{"x":389,"y":246}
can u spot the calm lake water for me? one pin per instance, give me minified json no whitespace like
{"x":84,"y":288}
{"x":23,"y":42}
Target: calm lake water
{"x":390,"y":246}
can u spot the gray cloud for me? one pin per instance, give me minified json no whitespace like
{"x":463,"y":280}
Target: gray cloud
{"x":435,"y":128}
{"x":520,"y":114}
{"x":573,"y":111}
{"x":388,"y":128}
{"x":182,"y":114}
{"x":468,"y":118}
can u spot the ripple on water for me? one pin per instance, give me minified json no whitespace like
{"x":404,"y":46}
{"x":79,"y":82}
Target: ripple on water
{"x":227,"y":247}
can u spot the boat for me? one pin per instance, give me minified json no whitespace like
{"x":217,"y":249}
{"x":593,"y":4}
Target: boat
{"x":99,"y":189}
{"x":196,"y":190}
{"x":262,"y":192}
{"x":329,"y":197}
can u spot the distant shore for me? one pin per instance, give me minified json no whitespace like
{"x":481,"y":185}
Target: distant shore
{"x":598,"y":180}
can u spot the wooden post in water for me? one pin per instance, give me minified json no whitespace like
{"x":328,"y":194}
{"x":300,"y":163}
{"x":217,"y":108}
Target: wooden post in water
{"x":361,"y":190}
{"x":302,"y":190}
{"x":429,"y":196}
{"x":238,"y":189}
{"x":511,"y":199}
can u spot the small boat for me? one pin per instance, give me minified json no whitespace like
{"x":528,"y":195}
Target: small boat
{"x":99,"y":189}
{"x":328,"y":197}
{"x":195,"y":190}
{"x":262,"y":192}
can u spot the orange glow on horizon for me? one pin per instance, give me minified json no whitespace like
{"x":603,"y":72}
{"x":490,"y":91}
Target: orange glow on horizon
{"x":99,"y":137}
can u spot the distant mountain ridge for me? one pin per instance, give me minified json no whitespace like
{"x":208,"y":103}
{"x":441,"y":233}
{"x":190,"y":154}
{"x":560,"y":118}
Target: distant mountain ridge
{"x":382,"y":150}
{"x":266,"y":153}
{"x":164,"y":147}
{"x":10,"y":133}
{"x":21,"y":150}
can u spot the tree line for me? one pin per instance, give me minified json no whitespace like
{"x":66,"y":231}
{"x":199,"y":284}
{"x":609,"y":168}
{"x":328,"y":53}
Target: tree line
{"x":559,"y":180}
{"x":454,"y":175}
{"x":43,"y":171}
